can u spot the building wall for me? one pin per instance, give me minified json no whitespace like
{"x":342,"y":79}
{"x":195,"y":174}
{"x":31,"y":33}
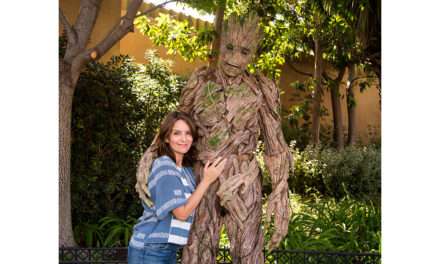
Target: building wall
{"x":135,"y":44}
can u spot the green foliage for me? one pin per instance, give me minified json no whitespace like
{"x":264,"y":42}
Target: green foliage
{"x":238,"y":7}
{"x":289,"y":30}
{"x":308,"y":171}
{"x":88,"y":235}
{"x":158,"y":91}
{"x":276,"y":44}
{"x":117,"y":109}
{"x":117,"y":231}
{"x":178,"y":36}
{"x":355,"y":170}
{"x":327,"y":224}
{"x":109,"y":231}
{"x":224,"y":240}
{"x":317,"y":223}
{"x":291,"y":27}
{"x":297,"y":123}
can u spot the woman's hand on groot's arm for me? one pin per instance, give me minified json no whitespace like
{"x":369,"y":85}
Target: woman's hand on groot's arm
{"x":211,"y":173}
{"x":213,"y":169}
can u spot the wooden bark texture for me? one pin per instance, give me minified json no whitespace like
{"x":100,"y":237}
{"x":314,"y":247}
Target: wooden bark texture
{"x":215,"y":50}
{"x":71,"y":65}
{"x":316,"y":106}
{"x":246,"y":32}
{"x":65,"y":115}
{"x":351,"y":106}
{"x":338,"y":130}
{"x":143,"y":171}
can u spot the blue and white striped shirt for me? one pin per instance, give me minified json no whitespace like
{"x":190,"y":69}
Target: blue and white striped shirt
{"x":170,"y":187}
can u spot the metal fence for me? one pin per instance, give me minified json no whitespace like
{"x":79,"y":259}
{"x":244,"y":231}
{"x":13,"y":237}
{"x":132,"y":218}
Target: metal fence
{"x":119,"y":255}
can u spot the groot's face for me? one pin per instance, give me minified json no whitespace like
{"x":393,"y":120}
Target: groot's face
{"x":239,"y":41}
{"x":234,"y":58}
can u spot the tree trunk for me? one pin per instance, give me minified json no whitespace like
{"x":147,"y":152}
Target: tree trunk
{"x":215,"y":50}
{"x":351,"y":106}
{"x":66,"y":90}
{"x":338,"y":131}
{"x":316,"y":94}
{"x":76,"y":57}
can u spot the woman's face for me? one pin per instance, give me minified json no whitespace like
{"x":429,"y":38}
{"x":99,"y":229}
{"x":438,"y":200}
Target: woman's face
{"x":180,"y":139}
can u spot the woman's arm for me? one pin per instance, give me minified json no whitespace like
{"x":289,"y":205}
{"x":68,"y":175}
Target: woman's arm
{"x":211,"y":172}
{"x":184,"y":211}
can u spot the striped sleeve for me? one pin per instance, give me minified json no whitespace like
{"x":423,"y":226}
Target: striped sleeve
{"x":167,"y":190}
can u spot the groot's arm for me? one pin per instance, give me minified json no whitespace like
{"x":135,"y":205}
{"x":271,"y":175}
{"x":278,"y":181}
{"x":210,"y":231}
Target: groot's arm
{"x":143,"y":171}
{"x":277,"y":159}
{"x":144,"y":165}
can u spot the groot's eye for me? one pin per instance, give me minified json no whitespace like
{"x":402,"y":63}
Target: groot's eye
{"x":230,"y":46}
{"x":245,"y":51}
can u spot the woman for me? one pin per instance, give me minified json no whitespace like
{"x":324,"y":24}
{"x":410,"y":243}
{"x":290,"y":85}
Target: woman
{"x":164,"y":227}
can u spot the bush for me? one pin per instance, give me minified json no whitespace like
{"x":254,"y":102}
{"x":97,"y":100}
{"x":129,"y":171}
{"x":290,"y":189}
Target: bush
{"x":325,"y":224}
{"x":317,"y":223}
{"x":117,"y":109}
{"x":109,"y":231}
{"x":354,"y":170}
{"x":308,"y":171}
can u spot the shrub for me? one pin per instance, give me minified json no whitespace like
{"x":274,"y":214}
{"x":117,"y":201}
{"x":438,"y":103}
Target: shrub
{"x":354,"y":170}
{"x":117,"y":231}
{"x":317,"y":223}
{"x":117,"y":109}
{"x":109,"y":231}
{"x":308,"y":171}
{"x":326,"y":224}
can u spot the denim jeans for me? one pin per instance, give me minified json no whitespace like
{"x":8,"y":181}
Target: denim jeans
{"x":154,"y":253}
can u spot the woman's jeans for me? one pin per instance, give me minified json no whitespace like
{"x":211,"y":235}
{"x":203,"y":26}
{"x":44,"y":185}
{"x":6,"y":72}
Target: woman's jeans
{"x":154,"y":253}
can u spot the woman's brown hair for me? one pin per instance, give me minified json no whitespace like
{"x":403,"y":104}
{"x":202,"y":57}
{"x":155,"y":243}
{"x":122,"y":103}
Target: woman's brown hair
{"x":165,"y":131}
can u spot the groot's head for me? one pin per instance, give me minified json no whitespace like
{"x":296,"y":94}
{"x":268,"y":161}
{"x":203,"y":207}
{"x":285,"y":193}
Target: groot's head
{"x":239,"y":41}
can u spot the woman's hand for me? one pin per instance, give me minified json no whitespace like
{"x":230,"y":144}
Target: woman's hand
{"x":213,"y":170}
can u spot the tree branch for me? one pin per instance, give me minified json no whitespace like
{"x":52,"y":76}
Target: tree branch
{"x":146,"y":12}
{"x":71,"y":33}
{"x":85,"y":21}
{"x":218,"y":24}
{"x":117,"y":33}
{"x":364,"y":77}
{"x":297,"y":70}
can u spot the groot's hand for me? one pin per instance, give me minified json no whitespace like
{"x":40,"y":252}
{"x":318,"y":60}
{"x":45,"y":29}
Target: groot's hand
{"x":278,"y":204}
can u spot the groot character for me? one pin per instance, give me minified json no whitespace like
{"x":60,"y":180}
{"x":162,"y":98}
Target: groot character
{"x":231,"y":108}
